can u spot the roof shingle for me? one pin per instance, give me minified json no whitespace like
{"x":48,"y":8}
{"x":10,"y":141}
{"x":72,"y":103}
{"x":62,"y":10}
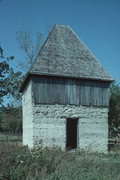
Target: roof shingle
{"x":64,"y":54}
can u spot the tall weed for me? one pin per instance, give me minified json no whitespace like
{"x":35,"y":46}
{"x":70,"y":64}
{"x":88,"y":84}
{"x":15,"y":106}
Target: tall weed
{"x":20,"y":163}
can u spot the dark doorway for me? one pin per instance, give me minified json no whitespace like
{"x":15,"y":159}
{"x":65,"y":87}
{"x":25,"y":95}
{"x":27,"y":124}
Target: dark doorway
{"x":71,"y":133}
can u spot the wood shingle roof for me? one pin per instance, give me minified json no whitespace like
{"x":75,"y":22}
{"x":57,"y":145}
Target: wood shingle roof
{"x":64,"y":54}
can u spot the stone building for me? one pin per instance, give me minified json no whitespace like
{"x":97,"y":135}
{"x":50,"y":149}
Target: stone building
{"x":65,"y":95}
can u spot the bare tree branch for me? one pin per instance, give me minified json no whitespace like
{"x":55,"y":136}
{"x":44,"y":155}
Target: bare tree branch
{"x":29,"y":46}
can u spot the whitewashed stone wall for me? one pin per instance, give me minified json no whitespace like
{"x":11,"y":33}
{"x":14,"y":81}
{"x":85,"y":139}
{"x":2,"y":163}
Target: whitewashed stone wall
{"x":47,"y":123}
{"x":27,"y":109}
{"x":50,"y":126}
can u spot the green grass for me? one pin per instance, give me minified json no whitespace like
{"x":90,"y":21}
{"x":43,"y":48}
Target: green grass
{"x":9,"y":138}
{"x":20,"y":163}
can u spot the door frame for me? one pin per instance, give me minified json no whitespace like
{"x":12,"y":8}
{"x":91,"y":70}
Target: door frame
{"x":77,"y":119}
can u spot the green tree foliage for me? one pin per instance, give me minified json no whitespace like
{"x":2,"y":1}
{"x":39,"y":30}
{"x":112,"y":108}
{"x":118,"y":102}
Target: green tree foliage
{"x":0,"y":117}
{"x":114,"y":105}
{"x":11,"y":119}
{"x":9,"y":79}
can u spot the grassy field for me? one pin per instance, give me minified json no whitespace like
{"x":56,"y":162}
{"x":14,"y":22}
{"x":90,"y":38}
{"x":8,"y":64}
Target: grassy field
{"x":4,"y":138}
{"x":21,"y":163}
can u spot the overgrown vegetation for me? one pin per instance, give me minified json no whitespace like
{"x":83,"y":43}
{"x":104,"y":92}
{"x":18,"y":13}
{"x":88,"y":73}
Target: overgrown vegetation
{"x":114,"y":105}
{"x":114,"y":112}
{"x":9,"y":79}
{"x":11,"y":119}
{"x":10,"y":138}
{"x":21,"y":163}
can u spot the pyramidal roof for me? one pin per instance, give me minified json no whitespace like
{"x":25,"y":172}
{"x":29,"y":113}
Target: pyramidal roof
{"x":64,"y":54}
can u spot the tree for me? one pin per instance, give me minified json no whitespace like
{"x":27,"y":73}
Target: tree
{"x":11,"y":119}
{"x":29,"y":47}
{"x":9,"y":79}
{"x":114,"y":105}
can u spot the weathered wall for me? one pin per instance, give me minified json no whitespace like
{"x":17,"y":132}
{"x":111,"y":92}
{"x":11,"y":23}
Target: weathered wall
{"x":47,"y":90}
{"x":27,"y":116}
{"x":50,"y":125}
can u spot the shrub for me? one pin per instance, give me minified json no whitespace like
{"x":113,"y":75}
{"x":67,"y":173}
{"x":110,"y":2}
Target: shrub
{"x":11,"y":119}
{"x":21,"y":163}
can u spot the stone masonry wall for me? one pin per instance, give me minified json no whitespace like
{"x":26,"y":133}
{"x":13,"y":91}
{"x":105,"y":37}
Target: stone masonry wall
{"x":50,"y":126}
{"x":27,"y":116}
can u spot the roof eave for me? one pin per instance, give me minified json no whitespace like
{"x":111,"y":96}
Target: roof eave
{"x":75,"y":77}
{"x":24,"y":83}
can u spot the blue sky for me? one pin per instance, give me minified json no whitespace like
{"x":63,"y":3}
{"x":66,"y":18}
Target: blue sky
{"x":97,"y":23}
